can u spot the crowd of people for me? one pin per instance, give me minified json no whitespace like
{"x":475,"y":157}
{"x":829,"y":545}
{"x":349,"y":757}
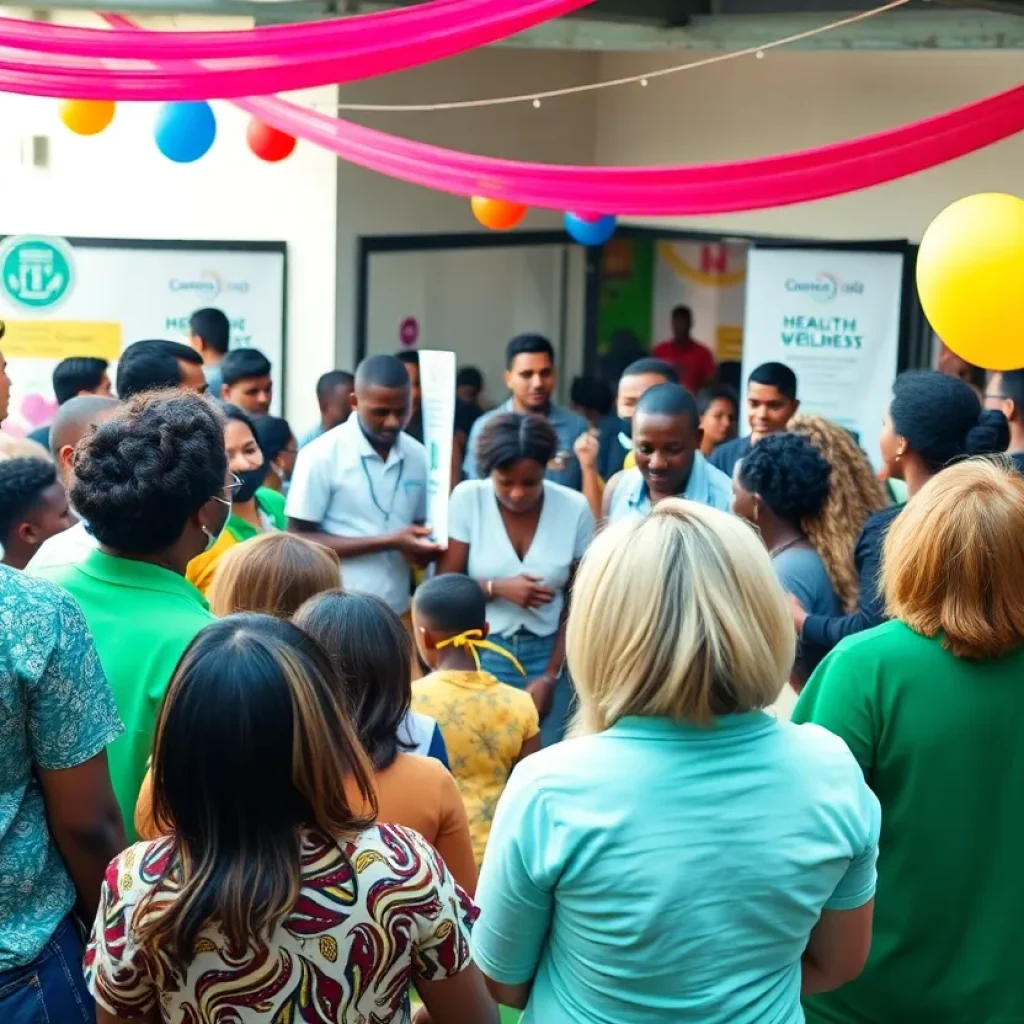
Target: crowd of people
{"x":273,"y":753}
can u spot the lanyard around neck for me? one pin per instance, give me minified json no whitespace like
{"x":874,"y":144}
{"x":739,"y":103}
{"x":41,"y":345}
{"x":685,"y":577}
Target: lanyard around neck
{"x":385,"y":512}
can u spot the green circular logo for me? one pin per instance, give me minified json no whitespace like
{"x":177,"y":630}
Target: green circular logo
{"x":36,"y":273}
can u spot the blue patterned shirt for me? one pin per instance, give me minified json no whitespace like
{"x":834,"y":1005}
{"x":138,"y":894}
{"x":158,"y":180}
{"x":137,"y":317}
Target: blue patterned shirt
{"x":56,"y":712}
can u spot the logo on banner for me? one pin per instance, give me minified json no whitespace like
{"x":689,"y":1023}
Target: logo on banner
{"x":825,"y":287}
{"x":209,"y":285}
{"x":37,"y":273}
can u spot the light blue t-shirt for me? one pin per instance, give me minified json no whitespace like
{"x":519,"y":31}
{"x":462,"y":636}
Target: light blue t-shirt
{"x":803,"y":574}
{"x":56,"y":711}
{"x":667,"y":872}
{"x":706,"y":486}
{"x":311,"y":435}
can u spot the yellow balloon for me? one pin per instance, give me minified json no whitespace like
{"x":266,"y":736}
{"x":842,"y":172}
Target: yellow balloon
{"x":87,"y":117}
{"x":970,"y":276}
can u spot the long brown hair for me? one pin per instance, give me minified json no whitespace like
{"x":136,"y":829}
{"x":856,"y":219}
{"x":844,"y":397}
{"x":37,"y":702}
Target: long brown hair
{"x":273,"y":574}
{"x":954,"y":560}
{"x":252,"y":744}
{"x":854,"y":493}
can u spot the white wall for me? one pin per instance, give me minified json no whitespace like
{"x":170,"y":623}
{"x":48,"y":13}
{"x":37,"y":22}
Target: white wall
{"x":787,"y":101}
{"x":369,"y":204}
{"x":118,"y":185}
{"x":471,"y":301}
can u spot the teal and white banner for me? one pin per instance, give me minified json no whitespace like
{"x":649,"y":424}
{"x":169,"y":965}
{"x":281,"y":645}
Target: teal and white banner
{"x":437,"y":402}
{"x":833,"y":317}
{"x":96,"y":297}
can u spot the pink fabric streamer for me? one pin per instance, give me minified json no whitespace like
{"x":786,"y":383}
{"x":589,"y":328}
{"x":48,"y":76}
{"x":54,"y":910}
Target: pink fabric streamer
{"x":701,"y":189}
{"x":334,"y":52}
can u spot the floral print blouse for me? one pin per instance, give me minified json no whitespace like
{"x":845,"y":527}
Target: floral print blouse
{"x":373,"y":916}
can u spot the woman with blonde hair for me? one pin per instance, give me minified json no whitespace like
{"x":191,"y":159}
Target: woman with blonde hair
{"x":277,"y":897}
{"x":274,"y":574}
{"x":930,"y":705}
{"x":854,"y":493}
{"x":707,"y":861}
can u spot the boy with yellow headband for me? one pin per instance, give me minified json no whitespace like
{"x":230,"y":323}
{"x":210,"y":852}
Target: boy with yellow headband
{"x":487,"y":725}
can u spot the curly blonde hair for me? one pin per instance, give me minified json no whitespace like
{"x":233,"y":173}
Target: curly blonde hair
{"x":854,"y":493}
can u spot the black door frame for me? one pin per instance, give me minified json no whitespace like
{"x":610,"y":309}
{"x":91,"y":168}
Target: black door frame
{"x":911,"y":341}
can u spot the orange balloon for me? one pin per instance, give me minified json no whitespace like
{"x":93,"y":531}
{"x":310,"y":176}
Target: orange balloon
{"x":87,"y":117}
{"x":497,"y":214}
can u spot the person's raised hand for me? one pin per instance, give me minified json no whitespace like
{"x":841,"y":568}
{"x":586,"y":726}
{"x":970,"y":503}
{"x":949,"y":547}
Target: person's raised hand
{"x":587,"y":449}
{"x":525,"y":591}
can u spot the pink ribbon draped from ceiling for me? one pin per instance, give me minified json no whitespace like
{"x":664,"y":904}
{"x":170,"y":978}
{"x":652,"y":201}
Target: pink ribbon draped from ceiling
{"x":701,"y":189}
{"x":762,"y":183}
{"x":343,"y":50}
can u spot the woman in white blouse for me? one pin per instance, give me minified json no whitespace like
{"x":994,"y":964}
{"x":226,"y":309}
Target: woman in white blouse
{"x":520,"y":537}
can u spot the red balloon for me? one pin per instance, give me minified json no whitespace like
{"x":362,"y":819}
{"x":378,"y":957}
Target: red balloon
{"x":268,"y":143}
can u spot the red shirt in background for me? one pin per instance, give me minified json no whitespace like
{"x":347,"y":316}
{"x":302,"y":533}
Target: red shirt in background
{"x":693,"y":362}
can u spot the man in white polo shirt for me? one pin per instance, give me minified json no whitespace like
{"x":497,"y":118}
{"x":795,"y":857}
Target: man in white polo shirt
{"x":361,"y":488}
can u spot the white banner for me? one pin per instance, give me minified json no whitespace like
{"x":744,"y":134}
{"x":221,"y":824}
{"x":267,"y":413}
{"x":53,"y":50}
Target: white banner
{"x":437,"y":401}
{"x":94,"y":299}
{"x":833,"y":317}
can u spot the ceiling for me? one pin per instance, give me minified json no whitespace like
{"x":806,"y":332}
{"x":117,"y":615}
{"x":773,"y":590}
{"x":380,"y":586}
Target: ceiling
{"x":697,"y":25}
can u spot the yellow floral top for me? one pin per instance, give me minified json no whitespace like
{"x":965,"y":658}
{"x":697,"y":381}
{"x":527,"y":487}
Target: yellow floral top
{"x":485,"y":724}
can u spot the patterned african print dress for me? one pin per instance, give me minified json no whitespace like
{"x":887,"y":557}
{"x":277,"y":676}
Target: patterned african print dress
{"x":372,"y":917}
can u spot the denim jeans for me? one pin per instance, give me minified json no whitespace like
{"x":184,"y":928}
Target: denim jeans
{"x":534,"y":654}
{"x":51,"y":989}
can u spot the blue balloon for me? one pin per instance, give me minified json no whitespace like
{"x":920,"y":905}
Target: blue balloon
{"x":588,"y":232}
{"x":185,"y":131}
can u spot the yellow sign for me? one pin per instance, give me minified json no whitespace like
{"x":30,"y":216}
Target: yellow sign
{"x":61,"y":339}
{"x":706,"y":278}
{"x":729,"y":344}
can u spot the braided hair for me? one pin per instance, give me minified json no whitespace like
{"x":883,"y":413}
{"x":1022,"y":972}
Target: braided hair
{"x":140,"y":475}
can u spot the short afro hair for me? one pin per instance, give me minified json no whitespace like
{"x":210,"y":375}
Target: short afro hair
{"x":511,"y":436}
{"x":22,"y":482}
{"x":451,"y":604}
{"x":789,"y":475}
{"x":137,"y":478}
{"x":382,"y":372}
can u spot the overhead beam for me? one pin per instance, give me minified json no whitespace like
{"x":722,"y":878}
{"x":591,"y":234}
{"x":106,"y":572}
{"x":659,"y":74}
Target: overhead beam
{"x":933,"y":29}
{"x":896,"y":30}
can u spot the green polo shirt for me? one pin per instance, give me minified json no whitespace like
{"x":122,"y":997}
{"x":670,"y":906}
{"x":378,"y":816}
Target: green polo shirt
{"x":142,"y":618}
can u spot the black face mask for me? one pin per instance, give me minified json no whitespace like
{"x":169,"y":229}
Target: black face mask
{"x":252,"y":481}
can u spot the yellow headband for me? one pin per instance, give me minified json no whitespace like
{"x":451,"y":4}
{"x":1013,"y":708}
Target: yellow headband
{"x":474,"y":640}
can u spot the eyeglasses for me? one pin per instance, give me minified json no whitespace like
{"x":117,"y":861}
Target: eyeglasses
{"x":229,"y":490}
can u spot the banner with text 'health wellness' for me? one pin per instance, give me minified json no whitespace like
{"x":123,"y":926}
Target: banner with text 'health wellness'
{"x":833,"y":317}
{"x":93,"y":297}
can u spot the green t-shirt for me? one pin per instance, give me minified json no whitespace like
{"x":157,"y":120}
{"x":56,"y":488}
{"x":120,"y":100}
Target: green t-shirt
{"x":142,"y":618}
{"x":941,"y":742}
{"x":270,"y":504}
